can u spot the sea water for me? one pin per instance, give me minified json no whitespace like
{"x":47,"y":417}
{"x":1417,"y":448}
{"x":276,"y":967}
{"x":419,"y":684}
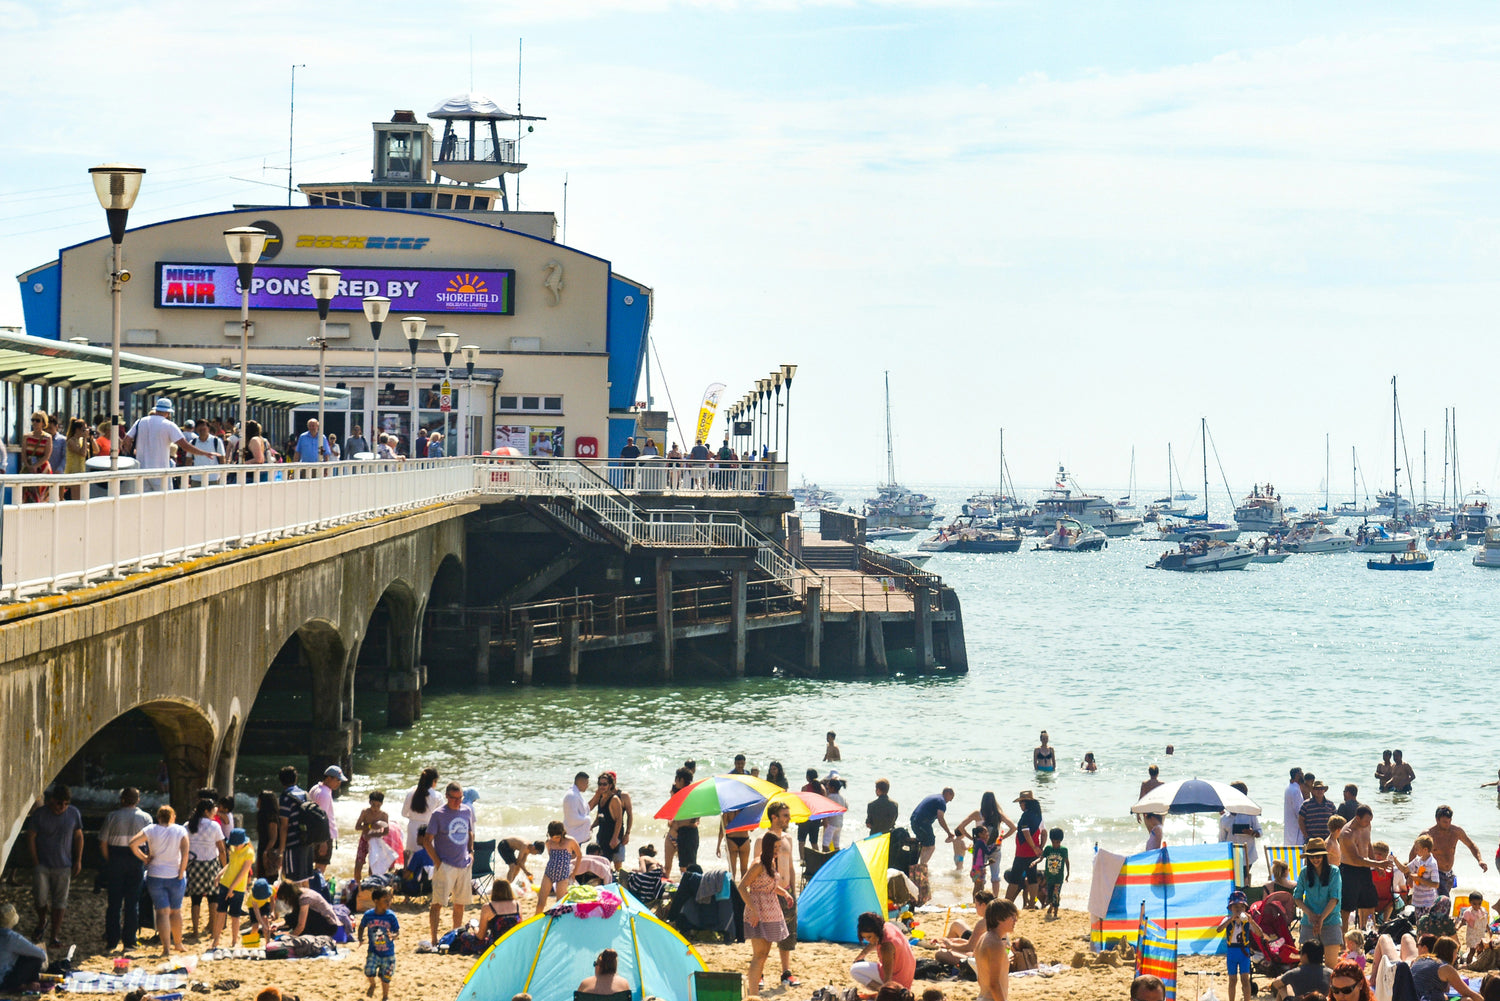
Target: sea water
{"x":1315,"y":662}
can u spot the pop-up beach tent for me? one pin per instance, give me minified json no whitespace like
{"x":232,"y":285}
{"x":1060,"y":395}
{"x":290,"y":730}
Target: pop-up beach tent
{"x":548,"y":956}
{"x":850,"y":883}
{"x":1185,"y":890}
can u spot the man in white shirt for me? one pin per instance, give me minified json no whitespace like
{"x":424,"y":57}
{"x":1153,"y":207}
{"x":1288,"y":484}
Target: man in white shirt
{"x":576,"y":809}
{"x":151,"y":438}
{"x":1291,"y":807}
{"x":213,"y":445}
{"x":322,"y":794}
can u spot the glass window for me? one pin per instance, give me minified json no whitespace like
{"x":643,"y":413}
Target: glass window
{"x":394,"y":398}
{"x":531,"y":403}
{"x":397,"y":157}
{"x":461,"y":202}
{"x":481,"y":203}
{"x":395,"y":199}
{"x":312,"y":200}
{"x":445,"y":201}
{"x":508,"y":402}
{"x":349,"y":199}
{"x":552,"y":403}
{"x":356,"y":397}
{"x":370,"y":199}
{"x":421,"y":199}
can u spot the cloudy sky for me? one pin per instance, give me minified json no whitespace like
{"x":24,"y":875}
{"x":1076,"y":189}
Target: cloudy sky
{"x":1087,"y":223}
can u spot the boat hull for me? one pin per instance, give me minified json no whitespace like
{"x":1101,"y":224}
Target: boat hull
{"x":1384,"y":546}
{"x":1337,"y":544}
{"x":1270,"y":558}
{"x":984,"y":546}
{"x":1183,"y":563}
{"x":1399,"y":565}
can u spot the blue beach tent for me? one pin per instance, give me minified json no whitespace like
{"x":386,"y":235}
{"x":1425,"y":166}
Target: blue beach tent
{"x":850,"y":883}
{"x":548,"y":957}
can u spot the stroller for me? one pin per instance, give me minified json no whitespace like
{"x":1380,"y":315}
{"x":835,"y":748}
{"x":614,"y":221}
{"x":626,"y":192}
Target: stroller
{"x":1278,"y":950}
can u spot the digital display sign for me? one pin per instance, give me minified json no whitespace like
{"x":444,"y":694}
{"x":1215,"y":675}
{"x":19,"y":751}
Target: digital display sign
{"x":411,"y":290}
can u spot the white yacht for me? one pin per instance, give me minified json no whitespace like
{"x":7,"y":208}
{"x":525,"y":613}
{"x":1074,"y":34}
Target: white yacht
{"x":1260,"y":512}
{"x":1317,"y":539}
{"x":1073,"y":536}
{"x":1476,"y":517}
{"x":1489,"y":555}
{"x":1387,"y":538}
{"x":1450,"y":540}
{"x":1067,"y":500}
{"x":1179,"y":531}
{"x":1202,"y":555}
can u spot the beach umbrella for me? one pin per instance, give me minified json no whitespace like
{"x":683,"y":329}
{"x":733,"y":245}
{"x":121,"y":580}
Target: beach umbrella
{"x":805,"y":806}
{"x":715,"y":795}
{"x":1195,"y":796}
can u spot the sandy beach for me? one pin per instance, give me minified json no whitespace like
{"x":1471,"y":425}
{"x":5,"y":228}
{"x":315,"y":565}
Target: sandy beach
{"x":433,"y":976}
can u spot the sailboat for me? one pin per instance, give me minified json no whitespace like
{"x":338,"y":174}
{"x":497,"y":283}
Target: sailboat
{"x":1203,"y":550}
{"x":999,"y":506}
{"x":1352,"y":508}
{"x":895,"y":506}
{"x":1167,"y":505}
{"x":1216,"y":531}
{"x":1127,"y":503}
{"x":1389,"y":538}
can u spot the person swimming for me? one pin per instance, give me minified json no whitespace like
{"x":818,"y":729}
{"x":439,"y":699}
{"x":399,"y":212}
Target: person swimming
{"x":1044,"y":757}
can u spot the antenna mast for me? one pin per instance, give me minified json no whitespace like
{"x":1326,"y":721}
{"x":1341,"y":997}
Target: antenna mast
{"x":519,"y":43}
{"x":890,"y":453}
{"x":291,"y":122}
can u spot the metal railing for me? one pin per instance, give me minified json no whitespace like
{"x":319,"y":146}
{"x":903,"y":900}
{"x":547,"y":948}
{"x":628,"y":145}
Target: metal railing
{"x":480,"y":151}
{"x":603,"y":615}
{"x":74,"y":530}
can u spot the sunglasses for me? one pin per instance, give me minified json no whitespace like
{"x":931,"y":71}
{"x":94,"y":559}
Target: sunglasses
{"x":1345,"y":991}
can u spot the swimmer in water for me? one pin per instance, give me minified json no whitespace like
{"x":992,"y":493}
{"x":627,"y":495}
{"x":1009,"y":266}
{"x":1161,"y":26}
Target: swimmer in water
{"x":1044,"y":757}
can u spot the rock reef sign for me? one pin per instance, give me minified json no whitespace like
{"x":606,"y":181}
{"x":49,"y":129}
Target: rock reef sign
{"x":424,"y":290}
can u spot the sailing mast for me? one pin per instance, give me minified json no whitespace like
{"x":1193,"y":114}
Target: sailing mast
{"x":890,"y":453}
{"x":1424,"y":470}
{"x":1395,"y":469}
{"x":1327,"y":469}
{"x":1204,"y":431}
{"x":1445,"y":457}
{"x":1169,"y":474}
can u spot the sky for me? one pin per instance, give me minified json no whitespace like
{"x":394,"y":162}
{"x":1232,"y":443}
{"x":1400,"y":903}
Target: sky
{"x":1090,"y":224}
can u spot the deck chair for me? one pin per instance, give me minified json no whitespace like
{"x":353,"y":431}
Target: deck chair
{"x":484,"y":866}
{"x":1290,"y":854}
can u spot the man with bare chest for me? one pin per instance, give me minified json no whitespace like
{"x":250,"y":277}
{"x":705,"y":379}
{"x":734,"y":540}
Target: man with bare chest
{"x":1446,"y":835}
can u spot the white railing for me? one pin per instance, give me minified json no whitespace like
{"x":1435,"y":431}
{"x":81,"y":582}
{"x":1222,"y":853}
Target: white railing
{"x":686,"y":476}
{"x":88,"y":527}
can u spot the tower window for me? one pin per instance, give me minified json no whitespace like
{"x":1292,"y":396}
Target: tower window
{"x":481,"y":203}
{"x":370,"y":199}
{"x":395,"y":199}
{"x":445,"y":201}
{"x":421,"y":199}
{"x":460,"y":202}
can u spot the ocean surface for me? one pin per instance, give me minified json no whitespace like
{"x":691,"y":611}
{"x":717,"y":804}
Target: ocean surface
{"x":1316,"y":662}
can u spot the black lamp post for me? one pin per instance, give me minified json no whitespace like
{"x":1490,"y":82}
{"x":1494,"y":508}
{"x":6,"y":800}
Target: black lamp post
{"x":413,"y":327}
{"x":245,"y":244}
{"x":377,"y":308}
{"x":787,"y":371}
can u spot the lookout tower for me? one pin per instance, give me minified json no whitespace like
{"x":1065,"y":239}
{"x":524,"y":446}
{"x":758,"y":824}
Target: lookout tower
{"x":472,"y":151}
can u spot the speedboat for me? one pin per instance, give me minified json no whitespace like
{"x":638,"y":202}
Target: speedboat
{"x":810,"y":495}
{"x":1475,"y":518}
{"x":1073,"y":536}
{"x":1411,"y":559}
{"x":1489,"y":554}
{"x":1203,"y":555}
{"x":915,"y":559}
{"x":1317,"y":540}
{"x":1449,"y":540}
{"x":1388,"y":503}
{"x":1259,"y":512}
{"x":939,"y":543}
{"x":982,"y":538}
{"x":1387,"y":538}
{"x":890,"y":534}
{"x":1269,"y":551}
{"x":1217,"y":531}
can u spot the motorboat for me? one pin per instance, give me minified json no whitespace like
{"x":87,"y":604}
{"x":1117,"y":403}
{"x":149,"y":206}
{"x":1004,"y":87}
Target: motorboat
{"x":916,"y":559}
{"x":1390,"y":504}
{"x":810,"y":495}
{"x":1387,"y":538}
{"x":1216,"y":531}
{"x":1261,"y":511}
{"x":1066,"y":500}
{"x":1411,"y":559}
{"x":1489,"y":553}
{"x":1447,"y":541}
{"x":939,"y":543}
{"x":1202,"y":555}
{"x":999,"y":507}
{"x":982,"y":539}
{"x":1350,"y":509}
{"x":890,"y":534}
{"x":1317,"y":539}
{"x":1073,"y":536}
{"x":1269,"y":551}
{"x":1475,"y":517}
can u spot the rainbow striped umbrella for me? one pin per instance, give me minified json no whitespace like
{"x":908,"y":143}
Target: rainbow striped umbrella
{"x":715,"y":795}
{"x":805,"y":806}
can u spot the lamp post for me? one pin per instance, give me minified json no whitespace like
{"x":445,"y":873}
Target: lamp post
{"x":245,"y":244}
{"x":471,"y":355}
{"x":377,"y":308}
{"x":325,"y":283}
{"x":413,"y":327}
{"x":765,"y":409}
{"x":787,"y":371}
{"x":447,"y":344}
{"x":116,"y":185}
{"x":776,"y":413}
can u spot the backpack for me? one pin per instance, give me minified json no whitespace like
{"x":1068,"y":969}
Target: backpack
{"x":312,"y":823}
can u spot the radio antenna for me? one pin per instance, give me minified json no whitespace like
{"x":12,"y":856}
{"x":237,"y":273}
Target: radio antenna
{"x":291,"y":123}
{"x":565,"y":209}
{"x":519,"y":43}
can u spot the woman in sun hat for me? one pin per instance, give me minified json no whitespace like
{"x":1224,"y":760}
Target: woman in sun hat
{"x":1317,"y":895}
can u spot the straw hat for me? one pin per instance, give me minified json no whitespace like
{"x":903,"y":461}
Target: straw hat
{"x":1315,"y":846}
{"x":8,"y":916}
{"x":1027,"y":796}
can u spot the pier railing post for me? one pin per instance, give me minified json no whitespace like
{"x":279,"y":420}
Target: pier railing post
{"x":525,"y":641}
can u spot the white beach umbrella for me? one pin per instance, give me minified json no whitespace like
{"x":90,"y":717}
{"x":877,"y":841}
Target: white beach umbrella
{"x":1195,"y":796}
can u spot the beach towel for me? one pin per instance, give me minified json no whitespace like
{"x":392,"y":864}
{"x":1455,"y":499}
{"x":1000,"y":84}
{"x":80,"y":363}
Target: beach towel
{"x":712,"y":882}
{"x":86,"y":982}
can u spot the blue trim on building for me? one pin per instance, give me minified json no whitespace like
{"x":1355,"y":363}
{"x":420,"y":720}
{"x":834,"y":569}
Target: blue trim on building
{"x":628,"y":325}
{"x":41,"y":310}
{"x":621,"y":428}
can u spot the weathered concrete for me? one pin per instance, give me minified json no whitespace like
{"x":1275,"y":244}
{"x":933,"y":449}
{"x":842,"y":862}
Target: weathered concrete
{"x":190,"y":644}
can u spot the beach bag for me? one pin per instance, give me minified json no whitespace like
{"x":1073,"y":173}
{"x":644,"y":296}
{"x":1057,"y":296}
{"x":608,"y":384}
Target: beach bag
{"x":312,"y":823}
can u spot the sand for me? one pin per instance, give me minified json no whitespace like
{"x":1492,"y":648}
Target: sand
{"x":440,"y":977}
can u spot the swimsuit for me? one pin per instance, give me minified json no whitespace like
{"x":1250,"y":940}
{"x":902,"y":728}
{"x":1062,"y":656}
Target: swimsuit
{"x":559,"y":864}
{"x":1046,"y":760}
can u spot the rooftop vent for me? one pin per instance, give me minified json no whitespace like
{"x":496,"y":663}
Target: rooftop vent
{"x":404,"y":116}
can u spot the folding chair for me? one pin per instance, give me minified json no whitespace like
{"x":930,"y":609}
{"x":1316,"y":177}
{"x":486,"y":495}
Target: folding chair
{"x":484,"y":865}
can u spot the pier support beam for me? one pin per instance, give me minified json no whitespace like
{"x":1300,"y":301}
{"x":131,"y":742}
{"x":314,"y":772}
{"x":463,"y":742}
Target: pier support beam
{"x":525,"y":654}
{"x":857,"y":628}
{"x":877,"y":641}
{"x":664,"y":618}
{"x":403,"y":705}
{"x":922,"y":626}
{"x":737,"y":621}
{"x":958,"y":653}
{"x":571,"y":648}
{"x":482,"y":655}
{"x":814,"y":620}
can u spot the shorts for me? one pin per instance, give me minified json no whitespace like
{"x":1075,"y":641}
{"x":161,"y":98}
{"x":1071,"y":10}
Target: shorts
{"x":51,"y":886}
{"x":1332,"y":933}
{"x":507,"y":852}
{"x":1239,"y":960}
{"x":789,"y":915}
{"x":455,"y":882}
{"x":1053,"y":895}
{"x":1359,"y":888}
{"x":381,"y":966}
{"x":231,"y":902}
{"x":925,"y":835}
{"x":1019,"y":873}
{"x":166,"y":892}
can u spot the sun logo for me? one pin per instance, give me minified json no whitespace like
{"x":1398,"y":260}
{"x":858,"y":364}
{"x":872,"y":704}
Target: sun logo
{"x":466,"y":283}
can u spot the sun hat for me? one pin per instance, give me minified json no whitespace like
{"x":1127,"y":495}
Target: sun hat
{"x":1238,"y":897}
{"x":1315,"y":846}
{"x":163,"y":405}
{"x":1320,"y":784}
{"x":1026,"y":796}
{"x":8,"y":916}
{"x":260,"y":890}
{"x":238,"y":837}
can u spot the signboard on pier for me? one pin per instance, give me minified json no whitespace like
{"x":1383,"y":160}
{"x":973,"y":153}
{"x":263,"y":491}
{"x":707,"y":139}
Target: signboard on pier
{"x":411,"y":290}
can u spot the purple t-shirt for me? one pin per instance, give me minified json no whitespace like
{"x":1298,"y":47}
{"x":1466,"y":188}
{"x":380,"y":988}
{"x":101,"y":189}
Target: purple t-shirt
{"x":450,"y":830}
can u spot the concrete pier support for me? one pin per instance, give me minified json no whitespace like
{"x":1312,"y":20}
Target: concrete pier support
{"x":857,"y":641}
{"x":482,"y":655}
{"x":737,"y":622}
{"x":402,"y":702}
{"x":525,"y":652}
{"x":814,"y":620}
{"x":922,"y":627}
{"x":571,"y":648}
{"x":876,"y":633}
{"x":664,"y":639}
{"x":958,"y":652}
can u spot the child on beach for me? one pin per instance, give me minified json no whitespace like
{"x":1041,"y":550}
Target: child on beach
{"x":1422,"y":871}
{"x":1384,"y":879}
{"x":383,"y":928}
{"x":229,"y":895}
{"x":1476,"y":921}
{"x":372,"y":823}
{"x":501,"y":914}
{"x":1354,"y":949}
{"x":1055,"y":870}
{"x":959,"y":851}
{"x":831,"y":752}
{"x":983,"y":849}
{"x":1089,"y":764}
{"x":1237,"y":926}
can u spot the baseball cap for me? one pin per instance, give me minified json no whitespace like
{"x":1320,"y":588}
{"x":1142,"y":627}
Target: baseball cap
{"x":335,"y":772}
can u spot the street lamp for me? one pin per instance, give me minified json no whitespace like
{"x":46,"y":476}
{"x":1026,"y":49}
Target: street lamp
{"x":776,"y":386}
{"x":471,"y":355}
{"x":116,"y":184}
{"x":245,"y":244}
{"x":325,"y":284}
{"x":413,"y":327}
{"x":447,"y":344}
{"x":377,"y":308}
{"x":765,"y":409}
{"x":787,"y":371}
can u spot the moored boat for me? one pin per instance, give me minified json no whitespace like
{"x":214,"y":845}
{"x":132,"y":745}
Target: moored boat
{"x":1217,"y":531}
{"x":1261,"y":511}
{"x":1387,"y":538}
{"x":1205,"y":555}
{"x":1073,"y":536}
{"x":1449,"y":540}
{"x":1489,"y":553}
{"x":1412,"y":559}
{"x":1317,"y":540}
